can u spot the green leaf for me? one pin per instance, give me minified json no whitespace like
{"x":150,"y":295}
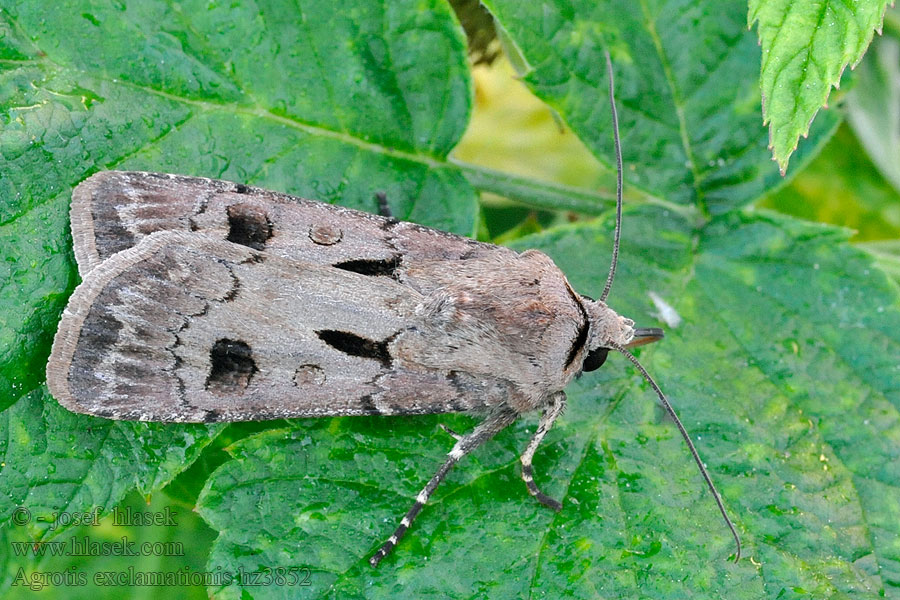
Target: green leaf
{"x":806,"y":45}
{"x":189,"y":540}
{"x":784,"y":388}
{"x":872,"y":108}
{"x":783,"y":366}
{"x":38,"y":275}
{"x":367,"y":100}
{"x":689,"y":105}
{"x":56,"y":461}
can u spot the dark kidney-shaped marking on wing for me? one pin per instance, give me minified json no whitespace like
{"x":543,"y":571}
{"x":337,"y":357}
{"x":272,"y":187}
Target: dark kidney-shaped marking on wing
{"x":248,"y":225}
{"x":232,"y":367}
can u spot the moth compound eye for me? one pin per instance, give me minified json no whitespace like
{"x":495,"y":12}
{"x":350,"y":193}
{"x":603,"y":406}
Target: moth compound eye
{"x":595,"y":359}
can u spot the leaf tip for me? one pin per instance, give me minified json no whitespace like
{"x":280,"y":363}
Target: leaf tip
{"x":783,"y":166}
{"x":782,"y":161}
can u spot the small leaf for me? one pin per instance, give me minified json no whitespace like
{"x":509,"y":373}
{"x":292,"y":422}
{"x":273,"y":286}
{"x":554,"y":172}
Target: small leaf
{"x":806,"y":46}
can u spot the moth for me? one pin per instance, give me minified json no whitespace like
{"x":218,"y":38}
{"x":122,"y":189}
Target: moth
{"x":207,"y":301}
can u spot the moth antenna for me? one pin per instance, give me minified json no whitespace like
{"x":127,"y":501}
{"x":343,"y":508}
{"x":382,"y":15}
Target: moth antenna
{"x":618,"y":147}
{"x":690,"y":444}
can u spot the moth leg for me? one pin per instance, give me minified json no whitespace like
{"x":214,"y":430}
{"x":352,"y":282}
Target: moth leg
{"x":450,"y":432}
{"x":383,"y":208}
{"x":466,"y":443}
{"x":553,"y":410}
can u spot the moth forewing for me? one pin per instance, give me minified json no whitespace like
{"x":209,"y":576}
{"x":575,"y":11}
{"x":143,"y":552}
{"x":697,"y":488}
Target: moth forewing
{"x":186,"y":327}
{"x":115,"y":210}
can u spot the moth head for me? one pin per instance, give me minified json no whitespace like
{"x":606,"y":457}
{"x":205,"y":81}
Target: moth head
{"x":608,"y":330}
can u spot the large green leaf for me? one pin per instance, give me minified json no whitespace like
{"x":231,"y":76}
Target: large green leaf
{"x":687,"y":90}
{"x":325,"y":104}
{"x":806,"y":45}
{"x":54,"y":460}
{"x":785,"y":388}
{"x":783,"y":366}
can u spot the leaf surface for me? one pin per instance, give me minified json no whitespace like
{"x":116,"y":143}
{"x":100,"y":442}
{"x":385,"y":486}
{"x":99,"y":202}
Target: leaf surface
{"x":783,"y":366}
{"x":54,"y":461}
{"x":786,"y":390}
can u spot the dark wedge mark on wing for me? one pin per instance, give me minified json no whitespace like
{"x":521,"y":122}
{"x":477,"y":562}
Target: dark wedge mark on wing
{"x":248,"y":226}
{"x":384,"y":267}
{"x":354,"y":345}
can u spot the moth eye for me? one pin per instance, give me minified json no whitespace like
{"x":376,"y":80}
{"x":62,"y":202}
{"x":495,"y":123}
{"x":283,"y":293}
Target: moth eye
{"x":595,"y":359}
{"x":232,"y":367}
{"x":248,"y":225}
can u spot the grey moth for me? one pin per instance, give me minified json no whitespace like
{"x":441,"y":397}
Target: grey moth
{"x":207,"y":301}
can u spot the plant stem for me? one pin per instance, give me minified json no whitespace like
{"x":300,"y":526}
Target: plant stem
{"x":553,"y":196}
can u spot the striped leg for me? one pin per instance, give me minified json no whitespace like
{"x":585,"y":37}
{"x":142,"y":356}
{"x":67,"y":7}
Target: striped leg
{"x":553,"y":410}
{"x":465,"y":444}
{"x":450,"y":432}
